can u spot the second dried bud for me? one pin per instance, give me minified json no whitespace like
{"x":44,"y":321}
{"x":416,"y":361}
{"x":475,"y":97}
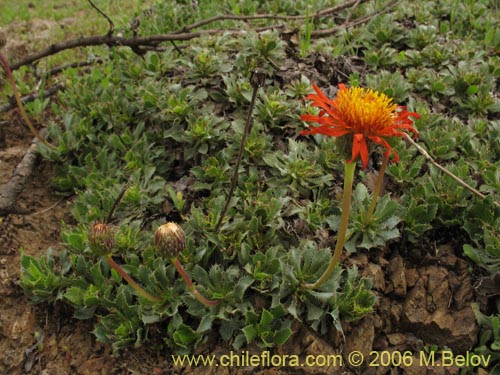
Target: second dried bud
{"x":170,"y":240}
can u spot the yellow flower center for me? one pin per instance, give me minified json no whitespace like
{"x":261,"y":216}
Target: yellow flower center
{"x":365,"y":110}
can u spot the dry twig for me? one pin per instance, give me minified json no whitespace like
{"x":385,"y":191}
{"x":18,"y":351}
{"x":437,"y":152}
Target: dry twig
{"x":32,"y":97}
{"x":111,"y":24}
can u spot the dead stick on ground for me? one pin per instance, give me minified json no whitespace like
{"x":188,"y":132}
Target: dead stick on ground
{"x":447,"y":172}
{"x":11,"y":190}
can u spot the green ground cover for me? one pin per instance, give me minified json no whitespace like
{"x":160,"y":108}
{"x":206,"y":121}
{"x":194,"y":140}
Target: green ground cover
{"x":169,"y":124}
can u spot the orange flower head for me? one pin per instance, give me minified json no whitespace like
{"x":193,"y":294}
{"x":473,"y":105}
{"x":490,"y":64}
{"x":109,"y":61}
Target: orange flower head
{"x":364,"y":115}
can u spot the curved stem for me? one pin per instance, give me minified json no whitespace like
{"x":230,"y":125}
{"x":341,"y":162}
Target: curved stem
{"x":349,"y":169}
{"x":131,"y":281}
{"x":189,"y":283}
{"x":378,"y":188}
{"x":25,"y":117}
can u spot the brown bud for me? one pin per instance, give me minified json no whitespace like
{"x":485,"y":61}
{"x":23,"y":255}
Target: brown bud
{"x":3,"y":39}
{"x":170,"y":240}
{"x":101,"y":239}
{"x":258,"y":78}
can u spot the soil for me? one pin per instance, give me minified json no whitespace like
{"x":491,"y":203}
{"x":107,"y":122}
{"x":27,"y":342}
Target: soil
{"x":423,"y":299}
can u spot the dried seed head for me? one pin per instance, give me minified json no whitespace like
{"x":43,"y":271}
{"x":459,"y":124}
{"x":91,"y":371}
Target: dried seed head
{"x":101,"y":239}
{"x":170,"y":240}
{"x":258,"y":78}
{"x":3,"y":39}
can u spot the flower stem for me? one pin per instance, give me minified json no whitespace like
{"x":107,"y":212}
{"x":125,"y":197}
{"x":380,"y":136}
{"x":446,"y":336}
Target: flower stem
{"x":8,"y":71}
{"x":131,"y":281}
{"x":189,"y":283}
{"x":349,"y":169}
{"x":257,"y":79}
{"x":378,"y":188}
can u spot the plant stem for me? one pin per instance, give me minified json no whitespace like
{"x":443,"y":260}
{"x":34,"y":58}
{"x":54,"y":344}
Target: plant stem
{"x":25,"y":117}
{"x":131,"y":281}
{"x":257,"y":79}
{"x":349,"y":169}
{"x":378,"y":188}
{"x":189,"y":283}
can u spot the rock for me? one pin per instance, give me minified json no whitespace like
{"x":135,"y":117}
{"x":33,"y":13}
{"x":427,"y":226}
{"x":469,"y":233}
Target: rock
{"x":438,"y":290}
{"x":376,"y":275}
{"x":446,"y":256}
{"x":396,"y":338}
{"x":360,"y":338}
{"x":411,"y":277}
{"x":390,"y":314}
{"x":427,"y":312}
{"x":95,"y":366}
{"x":397,"y":276}
{"x":360,"y":260}
{"x":415,"y":369}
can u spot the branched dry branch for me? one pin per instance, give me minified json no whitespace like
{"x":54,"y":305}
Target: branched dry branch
{"x":145,"y":43}
{"x":108,"y":40}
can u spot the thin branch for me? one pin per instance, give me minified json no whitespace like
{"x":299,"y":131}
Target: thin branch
{"x":45,"y":210}
{"x":78,"y":64}
{"x":116,"y":202}
{"x":225,"y":17}
{"x":111,"y":24}
{"x":349,"y":15}
{"x":17,"y":96}
{"x":356,"y":22}
{"x":447,"y":172}
{"x":32,"y":97}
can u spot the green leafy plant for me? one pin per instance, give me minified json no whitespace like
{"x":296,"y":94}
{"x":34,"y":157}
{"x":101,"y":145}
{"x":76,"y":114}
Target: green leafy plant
{"x":489,"y":339}
{"x":305,"y":35}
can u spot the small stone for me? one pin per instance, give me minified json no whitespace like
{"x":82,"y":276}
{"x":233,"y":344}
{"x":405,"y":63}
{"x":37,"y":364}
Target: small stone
{"x":376,"y":275}
{"x":361,"y":337}
{"x":411,"y":277}
{"x":397,"y":276}
{"x":396,"y":338}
